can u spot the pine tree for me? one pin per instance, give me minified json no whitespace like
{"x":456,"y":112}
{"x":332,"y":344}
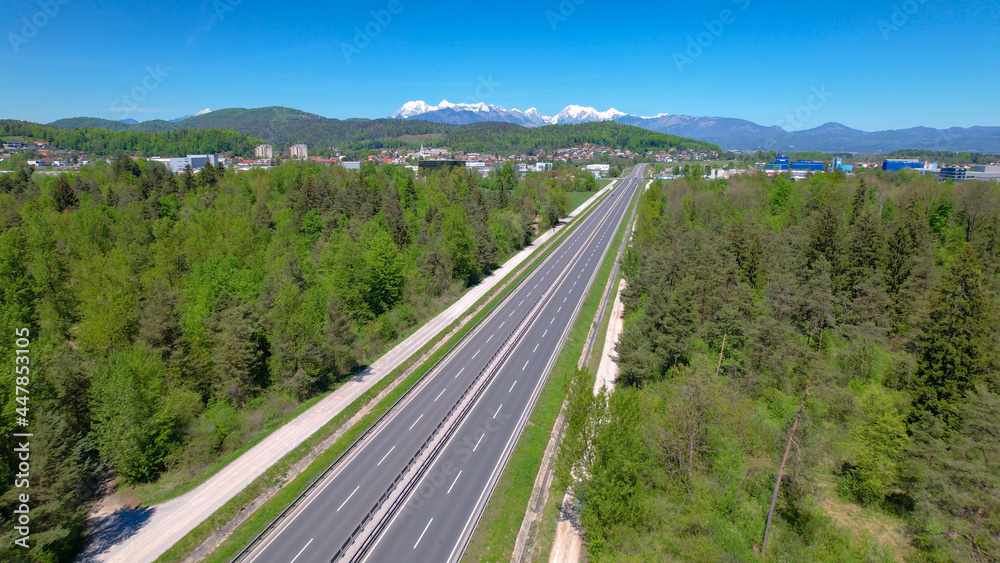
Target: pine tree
{"x":959,"y":345}
{"x":864,"y":255}
{"x":898,"y":261}
{"x":63,"y":194}
{"x":825,"y":232}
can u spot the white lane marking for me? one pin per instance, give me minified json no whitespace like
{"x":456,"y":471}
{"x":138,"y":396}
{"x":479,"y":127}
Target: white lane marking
{"x":480,"y":440}
{"x":415,"y":422}
{"x":488,"y":339}
{"x":459,"y":373}
{"x":574,"y":284}
{"x":526,"y":365}
{"x":536,"y":348}
{"x":422,"y":533}
{"x":439,"y":394}
{"x":536,"y":287}
{"x":553,"y":320}
{"x":510,"y":315}
{"x":521,"y":303}
{"x":348,"y":498}
{"x":564,"y":299}
{"x":544,"y":333}
{"x":512,"y":386}
{"x":476,"y":354}
{"x":385,"y":456}
{"x":301,"y":550}
{"x":498,"y":411}
{"x":560,"y":310}
{"x":453,"y":482}
{"x":528,"y":295}
{"x":501,"y":324}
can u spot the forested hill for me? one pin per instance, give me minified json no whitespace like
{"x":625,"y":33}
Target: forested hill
{"x":870,"y":300}
{"x":102,"y":142}
{"x":285,"y":126}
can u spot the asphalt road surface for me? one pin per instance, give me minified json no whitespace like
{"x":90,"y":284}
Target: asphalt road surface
{"x":436,"y":520}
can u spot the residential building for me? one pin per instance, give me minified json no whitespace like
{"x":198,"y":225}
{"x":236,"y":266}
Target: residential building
{"x":300,"y":151}
{"x":264,"y":152}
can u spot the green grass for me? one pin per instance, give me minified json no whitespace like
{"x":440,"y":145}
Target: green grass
{"x":257,"y":522}
{"x":497,"y":530}
{"x":576,"y":199}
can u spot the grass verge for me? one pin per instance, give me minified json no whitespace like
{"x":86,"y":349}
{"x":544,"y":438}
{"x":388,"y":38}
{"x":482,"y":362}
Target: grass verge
{"x":497,"y":531}
{"x":270,"y":510}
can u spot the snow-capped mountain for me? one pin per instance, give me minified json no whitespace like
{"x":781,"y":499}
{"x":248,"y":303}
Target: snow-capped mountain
{"x":420,"y":107}
{"x":179,"y":119}
{"x":579,"y":114}
{"x":447,"y":112}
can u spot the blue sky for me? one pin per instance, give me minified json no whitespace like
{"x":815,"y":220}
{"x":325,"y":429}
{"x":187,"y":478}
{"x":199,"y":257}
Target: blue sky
{"x":882,"y":64}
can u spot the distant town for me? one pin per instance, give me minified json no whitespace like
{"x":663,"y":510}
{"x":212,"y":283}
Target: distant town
{"x":47,"y":159}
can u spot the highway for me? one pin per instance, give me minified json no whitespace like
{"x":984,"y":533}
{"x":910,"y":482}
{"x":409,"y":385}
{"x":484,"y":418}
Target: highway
{"x":484,"y":390}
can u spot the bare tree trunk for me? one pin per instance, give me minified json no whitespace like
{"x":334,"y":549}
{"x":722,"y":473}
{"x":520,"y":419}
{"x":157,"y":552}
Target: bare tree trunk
{"x":721,"y":352}
{"x":691,"y":438}
{"x":781,"y":470}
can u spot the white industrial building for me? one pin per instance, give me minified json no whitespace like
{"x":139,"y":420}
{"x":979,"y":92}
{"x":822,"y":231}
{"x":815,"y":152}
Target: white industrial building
{"x":195,"y":161}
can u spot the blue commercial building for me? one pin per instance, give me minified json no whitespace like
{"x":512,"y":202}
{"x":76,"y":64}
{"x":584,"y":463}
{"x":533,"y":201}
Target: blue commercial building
{"x":897,"y":164}
{"x":813,"y":165}
{"x":838,"y":164}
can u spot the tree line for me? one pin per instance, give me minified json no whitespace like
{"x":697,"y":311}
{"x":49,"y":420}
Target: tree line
{"x":101,"y":142}
{"x":174,"y":318}
{"x":872,"y":298}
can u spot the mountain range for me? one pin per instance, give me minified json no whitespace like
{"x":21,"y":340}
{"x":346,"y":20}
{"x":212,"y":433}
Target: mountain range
{"x":418,"y":121}
{"x":729,"y":133}
{"x":283,"y":127}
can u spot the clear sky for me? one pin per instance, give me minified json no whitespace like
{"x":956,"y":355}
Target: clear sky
{"x":878,"y":64}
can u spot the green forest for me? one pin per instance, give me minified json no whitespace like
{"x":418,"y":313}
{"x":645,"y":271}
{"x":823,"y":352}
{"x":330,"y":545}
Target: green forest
{"x":172,"y":319}
{"x":869,"y":301}
{"x":101,"y":142}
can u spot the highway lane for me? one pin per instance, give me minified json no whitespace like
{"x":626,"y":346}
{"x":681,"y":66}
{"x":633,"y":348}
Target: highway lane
{"x":438,"y":518}
{"x":319,"y":526}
